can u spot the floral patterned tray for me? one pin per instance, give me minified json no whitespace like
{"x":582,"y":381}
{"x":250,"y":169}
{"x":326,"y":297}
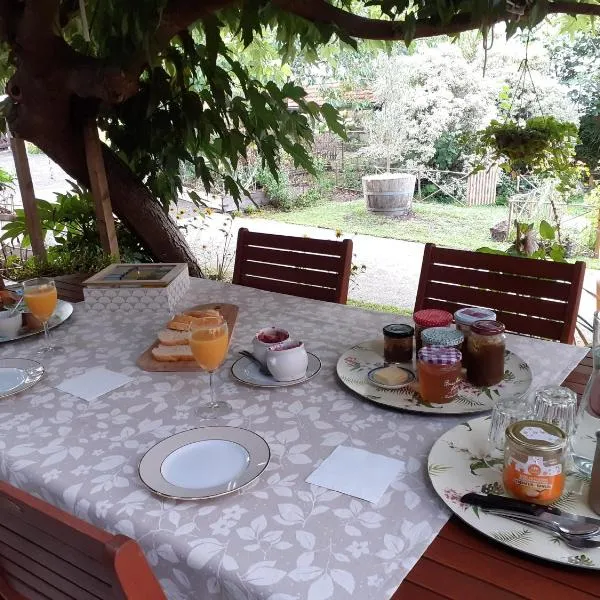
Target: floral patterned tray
{"x":456,"y":467}
{"x":354,"y":365}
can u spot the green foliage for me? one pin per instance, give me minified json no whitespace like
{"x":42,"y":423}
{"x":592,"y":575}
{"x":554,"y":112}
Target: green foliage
{"x":72,"y":222}
{"x":588,"y":150}
{"x":6,"y":180}
{"x":543,"y":146}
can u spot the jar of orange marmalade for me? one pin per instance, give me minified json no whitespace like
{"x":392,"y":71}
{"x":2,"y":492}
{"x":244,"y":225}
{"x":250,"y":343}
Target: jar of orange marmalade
{"x":439,"y":373}
{"x":534,"y":461}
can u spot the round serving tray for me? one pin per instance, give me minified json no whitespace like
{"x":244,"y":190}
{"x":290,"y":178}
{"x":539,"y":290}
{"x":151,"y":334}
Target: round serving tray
{"x":62,"y":312}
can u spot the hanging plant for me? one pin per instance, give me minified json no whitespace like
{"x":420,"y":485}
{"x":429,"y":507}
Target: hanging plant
{"x":542,"y":146}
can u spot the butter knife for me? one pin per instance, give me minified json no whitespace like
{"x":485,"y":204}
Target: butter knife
{"x":566,"y":522}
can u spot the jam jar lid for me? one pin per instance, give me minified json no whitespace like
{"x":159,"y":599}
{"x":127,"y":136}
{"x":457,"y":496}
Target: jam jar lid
{"x":438,"y":355}
{"x":536,"y":436}
{"x":398,"y":330}
{"x":432,"y":317}
{"x":442,"y":336}
{"x":486,"y":327}
{"x":470,"y":314}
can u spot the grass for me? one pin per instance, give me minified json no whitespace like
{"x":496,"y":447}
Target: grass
{"x":387,"y":308}
{"x":445,"y":224}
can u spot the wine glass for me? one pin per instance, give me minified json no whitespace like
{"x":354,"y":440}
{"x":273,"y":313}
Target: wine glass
{"x":209,"y":342}
{"x":41,"y":298}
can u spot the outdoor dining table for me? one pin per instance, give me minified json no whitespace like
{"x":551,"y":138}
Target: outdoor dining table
{"x":279,"y":538}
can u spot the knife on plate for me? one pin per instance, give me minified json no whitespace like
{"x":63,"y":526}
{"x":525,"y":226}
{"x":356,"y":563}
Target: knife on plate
{"x":567,"y":522}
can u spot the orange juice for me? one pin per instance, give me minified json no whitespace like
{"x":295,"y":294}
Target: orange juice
{"x":41,"y":301}
{"x":209,"y":345}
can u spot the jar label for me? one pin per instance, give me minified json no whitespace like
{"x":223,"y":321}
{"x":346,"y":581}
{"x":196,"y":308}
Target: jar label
{"x":537,"y":433}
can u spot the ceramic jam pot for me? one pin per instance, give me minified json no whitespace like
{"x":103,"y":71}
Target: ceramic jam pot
{"x":267,"y":337}
{"x":287,"y":361}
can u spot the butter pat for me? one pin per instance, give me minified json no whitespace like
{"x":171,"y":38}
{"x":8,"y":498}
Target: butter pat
{"x":391,"y":376}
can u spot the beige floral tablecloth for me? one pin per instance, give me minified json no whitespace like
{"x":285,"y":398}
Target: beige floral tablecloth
{"x":278,"y":539}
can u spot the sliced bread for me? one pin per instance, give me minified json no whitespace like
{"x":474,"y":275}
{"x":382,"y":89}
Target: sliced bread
{"x":172,"y":337}
{"x":185,"y":321}
{"x":172,"y":353}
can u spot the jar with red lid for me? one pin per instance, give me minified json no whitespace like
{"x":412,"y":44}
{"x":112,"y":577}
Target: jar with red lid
{"x":429,"y":317}
{"x":439,"y":371}
{"x":464,"y":318}
{"x":486,"y":347}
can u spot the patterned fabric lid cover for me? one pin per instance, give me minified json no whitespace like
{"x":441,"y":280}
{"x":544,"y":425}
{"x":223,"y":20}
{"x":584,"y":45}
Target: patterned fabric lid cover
{"x":398,"y":330}
{"x":442,"y":336}
{"x":487,"y":327}
{"x":469,"y":315}
{"x":438,"y":355}
{"x":432,"y":317}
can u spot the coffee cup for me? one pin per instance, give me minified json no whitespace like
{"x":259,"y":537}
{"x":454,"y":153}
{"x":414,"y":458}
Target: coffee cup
{"x":287,"y":361}
{"x":267,"y":337}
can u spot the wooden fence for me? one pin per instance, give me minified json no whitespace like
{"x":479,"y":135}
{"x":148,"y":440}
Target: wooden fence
{"x":481,"y":187}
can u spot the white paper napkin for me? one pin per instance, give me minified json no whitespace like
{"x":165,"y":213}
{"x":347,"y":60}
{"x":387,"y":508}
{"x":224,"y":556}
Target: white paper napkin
{"x":93,"y":383}
{"x":356,"y":472}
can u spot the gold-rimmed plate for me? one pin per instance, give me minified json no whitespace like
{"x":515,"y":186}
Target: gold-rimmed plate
{"x":204,"y":463}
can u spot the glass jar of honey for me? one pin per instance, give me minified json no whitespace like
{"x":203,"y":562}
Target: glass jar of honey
{"x":439,"y":371}
{"x":429,"y":317}
{"x":486,"y":346}
{"x":534,"y":461}
{"x":442,"y":336}
{"x":464,"y":318}
{"x":398,"y":343}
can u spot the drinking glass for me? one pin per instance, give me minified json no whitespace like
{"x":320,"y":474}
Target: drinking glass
{"x":41,"y":298}
{"x":209,"y":342}
{"x":556,"y":405}
{"x":505,"y":412}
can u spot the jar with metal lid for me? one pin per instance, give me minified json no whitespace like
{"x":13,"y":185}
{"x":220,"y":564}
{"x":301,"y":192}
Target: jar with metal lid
{"x":439,"y":371}
{"x":486,"y":347}
{"x":398,"y":343}
{"x":464,"y":318}
{"x":534,"y":461}
{"x":442,"y":336}
{"x":429,"y":317}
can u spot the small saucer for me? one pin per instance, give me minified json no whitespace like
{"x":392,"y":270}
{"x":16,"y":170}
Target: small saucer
{"x":410,"y":377}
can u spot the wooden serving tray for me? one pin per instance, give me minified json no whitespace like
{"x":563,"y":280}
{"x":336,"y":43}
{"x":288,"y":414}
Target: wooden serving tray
{"x":147,"y":362}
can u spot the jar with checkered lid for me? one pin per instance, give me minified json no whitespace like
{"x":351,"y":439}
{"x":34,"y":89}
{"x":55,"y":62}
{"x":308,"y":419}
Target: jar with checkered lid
{"x":448,"y":337}
{"x":429,"y":317}
{"x":439,"y":371}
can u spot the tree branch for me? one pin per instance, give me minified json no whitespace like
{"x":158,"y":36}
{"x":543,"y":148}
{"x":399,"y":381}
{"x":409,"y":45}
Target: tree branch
{"x":574,"y":8}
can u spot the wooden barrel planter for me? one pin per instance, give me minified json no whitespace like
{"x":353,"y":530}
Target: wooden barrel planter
{"x":389,"y":194}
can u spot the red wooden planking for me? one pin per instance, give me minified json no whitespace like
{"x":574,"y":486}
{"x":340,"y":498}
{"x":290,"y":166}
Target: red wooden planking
{"x":294,"y":259}
{"x":412,"y":591}
{"x":295,"y":289}
{"x":462,"y":534}
{"x":532,"y":286}
{"x":505,"y":264}
{"x":27,"y":592}
{"x":300,"y":244}
{"x":498,"y":300}
{"x":17,"y":574}
{"x":292,"y":274}
{"x":453,"y":584}
{"x":513,"y":577}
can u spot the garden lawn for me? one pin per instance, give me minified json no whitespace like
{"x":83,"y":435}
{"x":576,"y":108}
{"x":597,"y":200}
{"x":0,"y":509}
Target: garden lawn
{"x":443,"y":224}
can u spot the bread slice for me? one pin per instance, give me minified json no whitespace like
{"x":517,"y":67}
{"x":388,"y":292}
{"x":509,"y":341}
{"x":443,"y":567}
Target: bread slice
{"x":172,"y":353}
{"x":209,"y":312}
{"x":172,"y":337}
{"x":185,"y":321}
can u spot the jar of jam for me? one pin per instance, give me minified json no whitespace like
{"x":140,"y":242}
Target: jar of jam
{"x":398,"y":343}
{"x":534,"y":461}
{"x":464,"y":318}
{"x":442,"y":336}
{"x":439,"y":373}
{"x":429,"y":317}
{"x":486,"y":346}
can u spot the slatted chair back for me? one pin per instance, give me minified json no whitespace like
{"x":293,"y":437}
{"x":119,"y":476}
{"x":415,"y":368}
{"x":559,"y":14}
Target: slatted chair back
{"x":47,"y":554}
{"x":531,"y":297}
{"x":305,"y":267}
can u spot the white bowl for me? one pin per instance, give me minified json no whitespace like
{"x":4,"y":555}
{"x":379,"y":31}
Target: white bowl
{"x":259,"y":348}
{"x":10,"y":325}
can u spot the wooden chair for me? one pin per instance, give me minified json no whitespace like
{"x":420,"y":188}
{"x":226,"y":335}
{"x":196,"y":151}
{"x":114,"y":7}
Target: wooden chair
{"x":47,"y":554}
{"x":531,"y":297}
{"x":306,"y":267}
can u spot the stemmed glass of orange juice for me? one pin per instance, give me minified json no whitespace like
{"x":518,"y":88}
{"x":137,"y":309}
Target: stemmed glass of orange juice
{"x":209,"y":342}
{"x":41,"y":298}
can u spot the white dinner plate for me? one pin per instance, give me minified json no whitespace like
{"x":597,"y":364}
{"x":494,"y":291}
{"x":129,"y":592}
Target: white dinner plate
{"x":18,"y":374}
{"x":204,"y":463}
{"x":247,"y":371}
{"x":456,"y":466}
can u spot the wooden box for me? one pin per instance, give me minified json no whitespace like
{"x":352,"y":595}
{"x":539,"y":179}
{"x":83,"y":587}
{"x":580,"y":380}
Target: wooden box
{"x":154,"y":287}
